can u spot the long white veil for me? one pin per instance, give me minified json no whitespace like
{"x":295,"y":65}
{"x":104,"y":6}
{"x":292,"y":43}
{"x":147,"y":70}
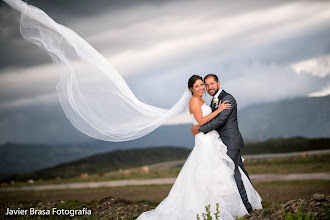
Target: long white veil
{"x":93,"y":95}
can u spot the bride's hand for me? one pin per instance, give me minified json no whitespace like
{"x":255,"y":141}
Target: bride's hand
{"x":223,"y":106}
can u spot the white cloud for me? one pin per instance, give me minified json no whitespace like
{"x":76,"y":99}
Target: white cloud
{"x":24,"y":86}
{"x":323,"y":92}
{"x":319,"y":66}
{"x":162,"y":46}
{"x":145,"y":38}
{"x":45,"y":98}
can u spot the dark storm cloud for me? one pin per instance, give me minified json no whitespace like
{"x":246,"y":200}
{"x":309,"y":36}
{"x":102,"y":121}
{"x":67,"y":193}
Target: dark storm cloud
{"x":70,"y":12}
{"x":157,"y":45}
{"x":14,"y":51}
{"x":63,"y":10}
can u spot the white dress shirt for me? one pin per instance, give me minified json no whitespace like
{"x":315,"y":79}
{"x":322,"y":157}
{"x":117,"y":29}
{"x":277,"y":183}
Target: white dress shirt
{"x":217,"y":94}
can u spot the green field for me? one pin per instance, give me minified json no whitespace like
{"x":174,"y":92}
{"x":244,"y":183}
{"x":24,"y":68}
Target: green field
{"x":271,"y":192}
{"x":104,"y":163}
{"x":309,"y":164}
{"x":276,"y":191}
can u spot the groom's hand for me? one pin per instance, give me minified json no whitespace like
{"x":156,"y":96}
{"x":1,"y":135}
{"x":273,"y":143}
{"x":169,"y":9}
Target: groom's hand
{"x":195,"y":130}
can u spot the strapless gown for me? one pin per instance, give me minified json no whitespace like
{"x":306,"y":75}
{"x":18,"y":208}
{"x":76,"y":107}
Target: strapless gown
{"x":206,"y":178}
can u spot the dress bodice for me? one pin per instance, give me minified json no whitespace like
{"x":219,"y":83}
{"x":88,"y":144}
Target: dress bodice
{"x":206,"y":110}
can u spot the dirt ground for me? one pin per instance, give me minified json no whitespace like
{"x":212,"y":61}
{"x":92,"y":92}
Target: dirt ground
{"x":269,"y":192}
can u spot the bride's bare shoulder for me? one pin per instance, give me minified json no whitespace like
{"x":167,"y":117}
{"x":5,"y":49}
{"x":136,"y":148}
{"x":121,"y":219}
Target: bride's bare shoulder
{"x":195,"y":102}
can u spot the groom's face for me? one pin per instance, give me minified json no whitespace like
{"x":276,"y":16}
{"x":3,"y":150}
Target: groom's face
{"x":212,"y":87}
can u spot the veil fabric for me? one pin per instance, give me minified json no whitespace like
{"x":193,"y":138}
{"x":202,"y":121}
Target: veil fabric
{"x":94,"y":96}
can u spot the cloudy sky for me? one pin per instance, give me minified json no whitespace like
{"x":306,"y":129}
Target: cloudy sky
{"x":262,"y":51}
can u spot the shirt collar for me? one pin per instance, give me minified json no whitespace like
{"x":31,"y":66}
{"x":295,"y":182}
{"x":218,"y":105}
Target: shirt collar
{"x":217,"y":94}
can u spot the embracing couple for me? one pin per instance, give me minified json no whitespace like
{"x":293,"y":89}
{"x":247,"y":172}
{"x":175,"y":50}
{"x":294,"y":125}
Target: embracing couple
{"x":103,"y":107}
{"x":214,"y":172}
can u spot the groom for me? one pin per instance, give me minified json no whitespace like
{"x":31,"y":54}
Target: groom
{"x":226,"y":125}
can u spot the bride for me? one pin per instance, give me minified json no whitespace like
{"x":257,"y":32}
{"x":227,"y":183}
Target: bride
{"x":207,"y":177}
{"x":98,"y":102}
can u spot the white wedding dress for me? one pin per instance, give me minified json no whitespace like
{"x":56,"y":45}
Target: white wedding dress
{"x":98,"y":102}
{"x":205,"y":179}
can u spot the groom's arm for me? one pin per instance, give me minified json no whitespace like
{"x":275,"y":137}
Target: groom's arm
{"x":221,"y":118}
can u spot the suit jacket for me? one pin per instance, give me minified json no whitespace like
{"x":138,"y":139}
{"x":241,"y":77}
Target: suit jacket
{"x":226,"y":123}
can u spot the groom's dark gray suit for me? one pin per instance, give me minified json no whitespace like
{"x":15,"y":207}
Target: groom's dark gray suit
{"x":227,"y":126}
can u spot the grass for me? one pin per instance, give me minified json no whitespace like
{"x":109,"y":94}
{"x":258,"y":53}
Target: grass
{"x":281,"y":191}
{"x":309,"y":164}
{"x":300,"y":215}
{"x":106,"y":162}
{"x":286,"y":145}
{"x":66,"y":205}
{"x":277,"y":191}
{"x":134,"y":173}
{"x":127,"y":159}
{"x":272,"y":193}
{"x":296,"y":183}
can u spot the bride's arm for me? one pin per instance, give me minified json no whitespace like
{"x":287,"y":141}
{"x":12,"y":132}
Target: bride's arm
{"x":196,"y":110}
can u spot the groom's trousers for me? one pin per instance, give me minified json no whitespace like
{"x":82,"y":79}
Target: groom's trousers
{"x":235,"y":155}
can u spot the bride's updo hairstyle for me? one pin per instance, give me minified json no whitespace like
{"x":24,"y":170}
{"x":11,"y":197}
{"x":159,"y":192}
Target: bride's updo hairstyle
{"x":192,"y":80}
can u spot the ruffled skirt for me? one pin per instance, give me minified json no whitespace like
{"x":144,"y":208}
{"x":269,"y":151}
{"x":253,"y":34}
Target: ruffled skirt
{"x":206,"y":178}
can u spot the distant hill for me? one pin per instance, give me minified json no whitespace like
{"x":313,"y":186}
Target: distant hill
{"x":110,"y":161}
{"x":105,"y":162}
{"x":307,"y":116}
{"x":19,"y":158}
{"x":286,"y":145}
{"x":304,"y":117}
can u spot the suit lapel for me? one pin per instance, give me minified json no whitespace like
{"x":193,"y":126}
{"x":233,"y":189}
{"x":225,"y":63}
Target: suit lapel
{"x":222,"y":93}
{"x":212,"y":105}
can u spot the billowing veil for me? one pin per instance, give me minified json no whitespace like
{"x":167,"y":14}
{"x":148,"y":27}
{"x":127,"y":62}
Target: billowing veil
{"x":93,"y":95}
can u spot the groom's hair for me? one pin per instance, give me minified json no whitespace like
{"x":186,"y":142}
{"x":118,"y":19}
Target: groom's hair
{"x":211,"y":75}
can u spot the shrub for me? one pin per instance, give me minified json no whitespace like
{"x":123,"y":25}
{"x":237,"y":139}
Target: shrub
{"x":301,"y":215}
{"x":207,"y":215}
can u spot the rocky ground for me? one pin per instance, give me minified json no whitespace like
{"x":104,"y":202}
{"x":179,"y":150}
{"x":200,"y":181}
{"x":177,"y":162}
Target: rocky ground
{"x":111,"y":208}
{"x":120,"y":209}
{"x":107,"y":208}
{"x":313,"y":208}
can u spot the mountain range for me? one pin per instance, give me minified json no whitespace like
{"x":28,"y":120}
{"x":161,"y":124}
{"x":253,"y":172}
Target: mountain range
{"x":123,"y":159}
{"x":307,"y":116}
{"x":105,"y":162}
{"x":304,"y":116}
{"x":19,"y":158}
